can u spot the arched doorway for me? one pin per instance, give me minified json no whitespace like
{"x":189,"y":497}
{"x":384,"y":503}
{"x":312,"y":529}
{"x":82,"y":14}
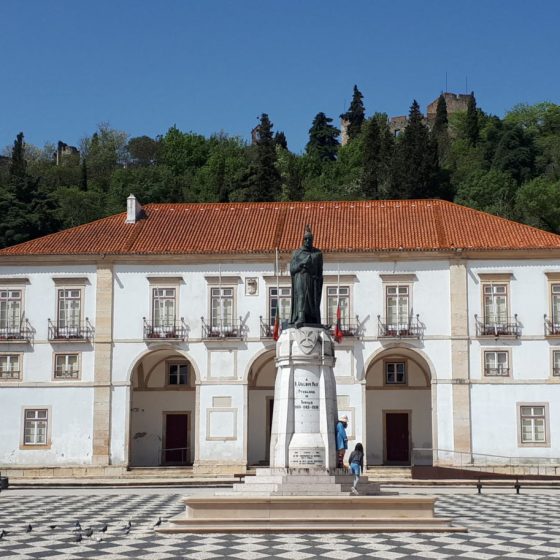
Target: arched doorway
{"x":260,"y":381}
{"x":162,"y":410}
{"x":398,"y":407}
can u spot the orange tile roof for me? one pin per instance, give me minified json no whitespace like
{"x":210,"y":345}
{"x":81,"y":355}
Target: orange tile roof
{"x":384,"y":225}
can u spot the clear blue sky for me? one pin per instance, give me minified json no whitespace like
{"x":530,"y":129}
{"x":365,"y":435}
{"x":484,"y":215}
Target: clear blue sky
{"x":215,"y":65}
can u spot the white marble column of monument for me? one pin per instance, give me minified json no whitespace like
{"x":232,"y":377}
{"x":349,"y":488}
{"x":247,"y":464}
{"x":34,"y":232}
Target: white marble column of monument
{"x":305,"y":410}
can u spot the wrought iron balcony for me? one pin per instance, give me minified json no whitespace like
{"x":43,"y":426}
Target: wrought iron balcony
{"x":10,"y":374}
{"x":169,"y":330}
{"x":496,"y":372}
{"x":410,"y":328}
{"x":74,"y":332}
{"x":17,"y":333}
{"x":348,"y":328}
{"x":222,"y":329}
{"x":502,"y":326}
{"x":267,"y":326}
{"x":551,"y":326}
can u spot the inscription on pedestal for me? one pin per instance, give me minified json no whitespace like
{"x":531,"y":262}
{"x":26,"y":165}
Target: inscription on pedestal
{"x":307,"y":456}
{"x":306,"y":402}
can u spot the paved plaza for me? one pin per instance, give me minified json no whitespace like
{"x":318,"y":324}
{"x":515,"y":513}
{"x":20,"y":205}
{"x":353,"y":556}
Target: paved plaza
{"x":501,"y":525}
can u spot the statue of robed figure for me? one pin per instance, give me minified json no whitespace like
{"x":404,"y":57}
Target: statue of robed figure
{"x":306,"y":269}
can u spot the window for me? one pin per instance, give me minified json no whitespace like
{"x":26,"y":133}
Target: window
{"x":555,"y":307}
{"x":163,"y":307}
{"x":36,"y":422}
{"x":333,"y":295}
{"x":222,"y":308}
{"x":533,"y":424}
{"x":496,"y":363}
{"x":10,"y":311}
{"x":66,"y":366}
{"x":10,"y":366}
{"x":178,"y":373}
{"x":495,"y":304}
{"x":69,"y":310}
{"x":279,"y":300}
{"x":556,"y":363}
{"x":397,"y":306}
{"x":395,"y":373}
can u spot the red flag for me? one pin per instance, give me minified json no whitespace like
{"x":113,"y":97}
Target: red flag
{"x":276,"y":331}
{"x":338,"y":336}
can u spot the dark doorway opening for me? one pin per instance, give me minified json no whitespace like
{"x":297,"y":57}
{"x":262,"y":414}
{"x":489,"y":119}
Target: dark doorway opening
{"x":176,"y":441}
{"x":397,"y":438}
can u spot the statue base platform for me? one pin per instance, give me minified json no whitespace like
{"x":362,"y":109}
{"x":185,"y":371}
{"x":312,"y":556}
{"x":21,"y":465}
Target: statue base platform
{"x":306,"y":501}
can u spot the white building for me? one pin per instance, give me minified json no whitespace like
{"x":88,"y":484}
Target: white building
{"x":145,"y":338}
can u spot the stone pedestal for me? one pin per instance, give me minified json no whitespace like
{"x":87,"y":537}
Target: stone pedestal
{"x":305,"y":411}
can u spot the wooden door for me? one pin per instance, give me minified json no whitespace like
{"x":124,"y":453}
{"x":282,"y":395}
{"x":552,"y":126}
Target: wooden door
{"x":176,"y":439}
{"x":397,"y":438}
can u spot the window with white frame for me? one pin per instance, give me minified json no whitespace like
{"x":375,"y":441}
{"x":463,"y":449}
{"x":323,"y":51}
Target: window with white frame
{"x":556,"y":363}
{"x":495,"y":304}
{"x":178,"y":373}
{"x":397,"y":306}
{"x":395,"y":373}
{"x":496,"y":363}
{"x":10,"y":311}
{"x":334,"y":295}
{"x":10,"y":366}
{"x":279,"y":301}
{"x":533,"y":424}
{"x":66,"y":366}
{"x":555,"y":305}
{"x":36,"y":424}
{"x":164,"y":306}
{"x":69,"y":308}
{"x":222,"y":308}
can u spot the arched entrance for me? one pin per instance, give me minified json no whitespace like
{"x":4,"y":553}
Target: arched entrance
{"x":260,"y":381}
{"x":398,"y":407}
{"x":162,"y":410}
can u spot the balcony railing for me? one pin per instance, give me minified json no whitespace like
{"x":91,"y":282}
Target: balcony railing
{"x":66,"y":373}
{"x":556,"y":371}
{"x":17,"y":333}
{"x":348,"y":328}
{"x":496,"y":372}
{"x":410,"y":328}
{"x":551,"y":326}
{"x":505,"y":326}
{"x":10,"y":374}
{"x":75,"y":332}
{"x":171,"y":330}
{"x":222,"y":329}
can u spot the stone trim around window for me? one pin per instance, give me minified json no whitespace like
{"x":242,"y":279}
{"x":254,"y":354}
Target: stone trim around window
{"x":35,"y":446}
{"x":63,"y":377}
{"x":4,"y":377}
{"x":520,"y":442}
{"x":495,"y":377}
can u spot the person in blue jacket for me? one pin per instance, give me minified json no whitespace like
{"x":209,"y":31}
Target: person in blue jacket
{"x":341,"y":441}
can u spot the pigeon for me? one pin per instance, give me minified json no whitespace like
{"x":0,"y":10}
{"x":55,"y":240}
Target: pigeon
{"x":128,"y":525}
{"x":158,"y":523}
{"x":2,"y":534}
{"x":52,"y":527}
{"x":77,"y":527}
{"x":78,"y":537}
{"x":103,"y":529}
{"x":29,"y":528}
{"x":126,"y":530}
{"x":88,"y":532}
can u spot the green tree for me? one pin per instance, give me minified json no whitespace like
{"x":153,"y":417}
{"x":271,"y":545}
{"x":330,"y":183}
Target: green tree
{"x":280,"y":140}
{"x":143,"y":150}
{"x":415,"y":167}
{"x":18,"y":166}
{"x":515,"y":154}
{"x":355,"y":115}
{"x":472,"y":124}
{"x":538,"y":203}
{"x":440,"y":132}
{"x":323,"y":138}
{"x":371,"y":158}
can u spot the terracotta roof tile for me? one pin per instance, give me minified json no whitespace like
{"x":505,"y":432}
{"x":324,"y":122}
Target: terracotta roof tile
{"x":384,"y":225}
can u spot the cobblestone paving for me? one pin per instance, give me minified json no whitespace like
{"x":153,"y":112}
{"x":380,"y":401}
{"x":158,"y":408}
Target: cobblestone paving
{"x":500,"y":526}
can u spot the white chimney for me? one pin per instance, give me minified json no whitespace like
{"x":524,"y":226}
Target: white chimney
{"x":133,"y":210}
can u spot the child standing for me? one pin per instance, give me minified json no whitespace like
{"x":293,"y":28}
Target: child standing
{"x":356,"y":465}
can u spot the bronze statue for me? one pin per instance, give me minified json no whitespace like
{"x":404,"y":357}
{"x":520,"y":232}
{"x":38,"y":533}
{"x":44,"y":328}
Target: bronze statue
{"x":306,"y":268}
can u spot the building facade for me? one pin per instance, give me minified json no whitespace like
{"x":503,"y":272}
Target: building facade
{"x":146,"y":338}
